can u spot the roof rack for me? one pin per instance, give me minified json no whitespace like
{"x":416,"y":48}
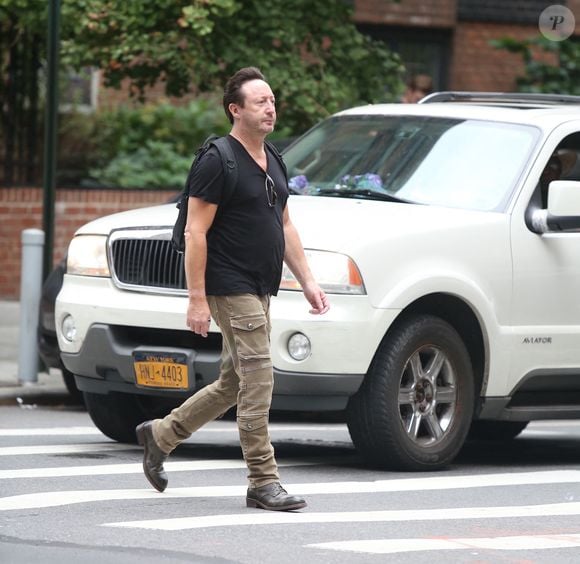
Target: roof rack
{"x":514,"y":99}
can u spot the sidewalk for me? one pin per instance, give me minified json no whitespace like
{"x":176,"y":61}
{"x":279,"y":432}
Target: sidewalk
{"x":48,"y":390}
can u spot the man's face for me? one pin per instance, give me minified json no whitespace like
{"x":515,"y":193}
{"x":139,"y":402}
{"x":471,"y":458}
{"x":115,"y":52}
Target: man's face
{"x":258,"y":112}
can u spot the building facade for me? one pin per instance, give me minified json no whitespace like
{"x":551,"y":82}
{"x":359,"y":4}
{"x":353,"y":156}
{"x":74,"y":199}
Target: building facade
{"x":450,"y":39}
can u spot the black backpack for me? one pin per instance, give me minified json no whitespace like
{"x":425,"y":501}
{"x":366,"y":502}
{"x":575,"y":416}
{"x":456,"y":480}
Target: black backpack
{"x":230,"y":167}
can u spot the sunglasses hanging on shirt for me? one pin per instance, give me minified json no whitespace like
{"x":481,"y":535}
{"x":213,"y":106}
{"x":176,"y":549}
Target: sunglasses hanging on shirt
{"x":270,"y":191}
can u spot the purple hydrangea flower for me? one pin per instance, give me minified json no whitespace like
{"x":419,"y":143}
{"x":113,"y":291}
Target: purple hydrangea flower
{"x":370,"y":181}
{"x":367,"y":181}
{"x":298,"y":183}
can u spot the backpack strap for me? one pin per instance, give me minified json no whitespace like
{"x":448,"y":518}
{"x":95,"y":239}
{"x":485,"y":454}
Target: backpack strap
{"x":229,"y":164}
{"x":274,"y":151}
{"x":198,"y":153}
{"x":230,"y":168}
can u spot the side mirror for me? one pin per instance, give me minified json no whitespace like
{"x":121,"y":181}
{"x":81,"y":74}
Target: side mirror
{"x":564,"y":198}
{"x":563,"y":213}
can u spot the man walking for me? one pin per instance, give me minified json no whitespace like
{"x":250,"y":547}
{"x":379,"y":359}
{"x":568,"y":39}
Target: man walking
{"x":234,"y":251}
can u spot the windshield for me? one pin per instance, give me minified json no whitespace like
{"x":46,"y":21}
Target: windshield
{"x":439,"y":161}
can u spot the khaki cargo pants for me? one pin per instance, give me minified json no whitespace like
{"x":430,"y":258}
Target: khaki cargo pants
{"x":246,"y":379}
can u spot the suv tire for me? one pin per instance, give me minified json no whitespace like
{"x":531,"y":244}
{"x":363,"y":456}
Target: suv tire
{"x":69,"y":381}
{"x":415,"y":406}
{"x":116,"y":415}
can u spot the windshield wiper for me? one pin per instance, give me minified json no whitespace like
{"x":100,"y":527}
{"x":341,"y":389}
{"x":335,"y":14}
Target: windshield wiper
{"x":359,"y":192}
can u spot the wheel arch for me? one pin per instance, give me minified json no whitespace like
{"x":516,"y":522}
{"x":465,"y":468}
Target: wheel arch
{"x":401,"y":439}
{"x":464,"y":320}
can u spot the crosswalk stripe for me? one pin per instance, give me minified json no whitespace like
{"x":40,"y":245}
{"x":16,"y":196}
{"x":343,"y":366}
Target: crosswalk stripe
{"x":276,"y":518}
{"x":53,"y":499}
{"x":49,"y":431}
{"x":395,"y":546}
{"x":221,"y":427}
{"x":57,"y":499}
{"x":137,"y":468}
{"x":64,"y":449}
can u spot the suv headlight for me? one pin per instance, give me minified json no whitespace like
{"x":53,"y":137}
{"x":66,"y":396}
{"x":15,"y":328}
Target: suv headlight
{"x":87,"y":256}
{"x":334,"y":272}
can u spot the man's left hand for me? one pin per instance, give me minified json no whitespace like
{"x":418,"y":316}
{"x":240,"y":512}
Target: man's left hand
{"x":317,"y":299}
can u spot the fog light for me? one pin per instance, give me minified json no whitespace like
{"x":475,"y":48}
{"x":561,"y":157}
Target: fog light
{"x":69,"y":330}
{"x":299,"y":346}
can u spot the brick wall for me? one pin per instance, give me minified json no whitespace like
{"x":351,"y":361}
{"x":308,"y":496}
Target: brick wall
{"x":418,"y":13}
{"x":574,"y":7}
{"x":21,"y":208}
{"x":478,"y":66}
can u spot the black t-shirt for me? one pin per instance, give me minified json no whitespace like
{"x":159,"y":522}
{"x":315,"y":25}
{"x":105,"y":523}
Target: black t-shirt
{"x":245,"y":244}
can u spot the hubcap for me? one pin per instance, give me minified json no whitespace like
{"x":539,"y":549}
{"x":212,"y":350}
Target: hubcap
{"x":427,"y":395}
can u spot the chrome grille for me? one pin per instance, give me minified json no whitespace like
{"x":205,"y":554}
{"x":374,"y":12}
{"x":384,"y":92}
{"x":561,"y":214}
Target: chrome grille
{"x":145,"y":261}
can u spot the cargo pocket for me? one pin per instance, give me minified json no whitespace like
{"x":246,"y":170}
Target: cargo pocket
{"x":252,"y":425}
{"x":257,"y":450}
{"x":252,"y":342}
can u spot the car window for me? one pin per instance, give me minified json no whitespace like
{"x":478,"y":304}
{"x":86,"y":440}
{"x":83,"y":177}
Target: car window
{"x":468,"y":164}
{"x":563,"y":164}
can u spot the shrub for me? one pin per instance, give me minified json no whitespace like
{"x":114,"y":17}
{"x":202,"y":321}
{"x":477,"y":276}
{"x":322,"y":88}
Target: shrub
{"x":154,"y":165}
{"x":149,"y":146}
{"x":541,"y":76}
{"x":127,"y":129}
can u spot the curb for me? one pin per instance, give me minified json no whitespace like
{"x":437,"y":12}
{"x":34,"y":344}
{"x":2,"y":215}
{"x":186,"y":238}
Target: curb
{"x":27,"y":397}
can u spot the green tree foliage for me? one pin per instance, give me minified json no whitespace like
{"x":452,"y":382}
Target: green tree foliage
{"x":311,"y":52}
{"x":22,"y":42}
{"x":540,"y":76}
{"x":21,"y":23}
{"x":22,"y":16}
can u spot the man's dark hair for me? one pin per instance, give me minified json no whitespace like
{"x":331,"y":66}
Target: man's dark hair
{"x":232,"y":90}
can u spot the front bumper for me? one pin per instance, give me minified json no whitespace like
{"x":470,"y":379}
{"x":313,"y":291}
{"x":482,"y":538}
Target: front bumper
{"x":105,"y":364}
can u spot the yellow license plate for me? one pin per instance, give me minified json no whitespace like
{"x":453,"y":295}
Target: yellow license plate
{"x":161,"y":370}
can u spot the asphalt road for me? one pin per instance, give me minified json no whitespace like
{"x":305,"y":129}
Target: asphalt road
{"x":68,"y":494}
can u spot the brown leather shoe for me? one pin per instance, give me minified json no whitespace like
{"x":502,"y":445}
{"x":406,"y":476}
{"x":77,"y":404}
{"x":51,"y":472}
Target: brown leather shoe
{"x":153,"y":456}
{"x":273,"y":497}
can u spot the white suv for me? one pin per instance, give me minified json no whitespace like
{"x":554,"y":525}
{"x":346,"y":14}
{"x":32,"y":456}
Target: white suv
{"x":454,"y":288}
